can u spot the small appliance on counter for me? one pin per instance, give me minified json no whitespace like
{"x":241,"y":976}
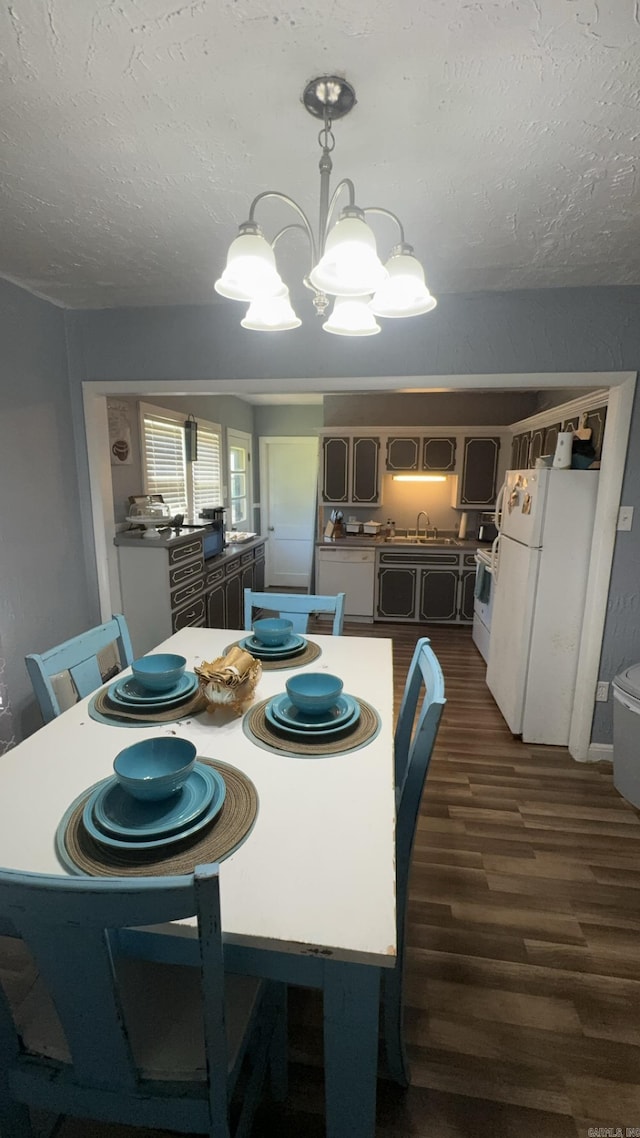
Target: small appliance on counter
{"x":150,"y":513}
{"x":487,"y":529}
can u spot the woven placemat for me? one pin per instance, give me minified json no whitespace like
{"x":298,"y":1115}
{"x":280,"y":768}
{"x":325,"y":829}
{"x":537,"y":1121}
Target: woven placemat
{"x":81,"y":854}
{"x":257,"y":727}
{"x":310,"y":652}
{"x":105,"y":709}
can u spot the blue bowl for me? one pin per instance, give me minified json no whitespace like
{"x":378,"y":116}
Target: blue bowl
{"x":313,"y":693}
{"x":155,"y":768}
{"x":272,"y":631}
{"x":160,"y":671}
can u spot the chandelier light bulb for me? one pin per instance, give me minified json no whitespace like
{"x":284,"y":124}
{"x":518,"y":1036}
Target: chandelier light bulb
{"x":271,"y":314}
{"x":350,"y":265}
{"x":404,"y":293}
{"x":251,"y":269}
{"x":352,"y":316}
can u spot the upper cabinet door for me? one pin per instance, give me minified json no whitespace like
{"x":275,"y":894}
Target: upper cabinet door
{"x":439,"y":454}
{"x":536,"y":447}
{"x":479,"y":472}
{"x":335,"y":469}
{"x":515,"y":453}
{"x":403,"y":453}
{"x":596,"y":419}
{"x":551,"y":438}
{"x":523,"y":457}
{"x":365,"y":489}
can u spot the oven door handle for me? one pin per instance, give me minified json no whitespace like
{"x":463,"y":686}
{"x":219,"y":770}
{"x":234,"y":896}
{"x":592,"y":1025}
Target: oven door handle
{"x":495,"y":557}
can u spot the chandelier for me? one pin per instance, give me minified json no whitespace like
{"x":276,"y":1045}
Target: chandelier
{"x":344,"y":262}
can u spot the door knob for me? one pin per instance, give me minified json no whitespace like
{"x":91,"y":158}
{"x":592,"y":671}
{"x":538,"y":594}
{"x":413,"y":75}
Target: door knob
{"x":271,"y":529}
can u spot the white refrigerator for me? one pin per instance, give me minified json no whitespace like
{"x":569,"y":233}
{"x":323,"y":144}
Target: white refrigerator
{"x":544,"y":548}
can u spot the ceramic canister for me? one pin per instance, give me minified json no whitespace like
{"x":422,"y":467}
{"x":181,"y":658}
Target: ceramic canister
{"x":564,"y":447}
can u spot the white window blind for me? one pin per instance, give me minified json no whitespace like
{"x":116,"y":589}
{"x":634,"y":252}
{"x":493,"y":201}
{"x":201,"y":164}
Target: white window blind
{"x":186,"y":487}
{"x":164,"y":461}
{"x":206,"y":473}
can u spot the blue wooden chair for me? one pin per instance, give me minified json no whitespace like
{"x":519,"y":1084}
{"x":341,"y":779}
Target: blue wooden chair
{"x":78,"y":657}
{"x":87,"y":1032}
{"x":296,"y":607}
{"x":416,"y":732}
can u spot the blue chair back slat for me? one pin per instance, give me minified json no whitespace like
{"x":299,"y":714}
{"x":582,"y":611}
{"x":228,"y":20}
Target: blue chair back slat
{"x":78,"y":656}
{"x":67,"y":924}
{"x":296,"y":607}
{"x":415,"y":736}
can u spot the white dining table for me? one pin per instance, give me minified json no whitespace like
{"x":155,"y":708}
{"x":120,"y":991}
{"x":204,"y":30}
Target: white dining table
{"x":309,"y":897}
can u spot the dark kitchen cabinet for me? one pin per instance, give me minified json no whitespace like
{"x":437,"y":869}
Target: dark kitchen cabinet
{"x":403,"y":453}
{"x":439,"y":454}
{"x":365,"y":481}
{"x":335,"y":469}
{"x":413,"y":453}
{"x":438,"y":594}
{"x":397,"y":592}
{"x":515,"y":453}
{"x":351,"y":470}
{"x":551,"y":438}
{"x":479,"y":472}
{"x":234,"y":600}
{"x":523,"y":456}
{"x":467,"y":594}
{"x":258,"y":571}
{"x":596,"y":419}
{"x":536,"y":446}
{"x":216,"y":607}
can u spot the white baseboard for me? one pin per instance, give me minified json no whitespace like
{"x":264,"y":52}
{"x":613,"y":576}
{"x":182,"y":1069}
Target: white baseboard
{"x":600,"y":752}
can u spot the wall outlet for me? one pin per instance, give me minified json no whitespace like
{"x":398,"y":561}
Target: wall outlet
{"x":602,"y":691}
{"x":625,"y":517}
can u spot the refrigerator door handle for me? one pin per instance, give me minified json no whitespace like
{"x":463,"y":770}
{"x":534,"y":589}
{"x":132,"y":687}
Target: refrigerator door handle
{"x":495,"y":557}
{"x":498,"y":507}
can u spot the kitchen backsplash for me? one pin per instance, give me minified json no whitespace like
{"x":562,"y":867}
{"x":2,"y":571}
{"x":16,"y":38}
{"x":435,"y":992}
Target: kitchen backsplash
{"x":402,"y":501}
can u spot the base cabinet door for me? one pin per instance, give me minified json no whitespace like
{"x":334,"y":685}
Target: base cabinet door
{"x":216,"y":608}
{"x":467,"y":594}
{"x":234,"y":598}
{"x":397,"y":592}
{"x":438,"y":594}
{"x":258,"y":572}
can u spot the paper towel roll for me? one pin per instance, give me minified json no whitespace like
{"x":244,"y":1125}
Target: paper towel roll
{"x":462,"y":530}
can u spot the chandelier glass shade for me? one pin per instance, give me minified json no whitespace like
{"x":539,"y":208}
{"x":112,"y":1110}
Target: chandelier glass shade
{"x":344,"y":257}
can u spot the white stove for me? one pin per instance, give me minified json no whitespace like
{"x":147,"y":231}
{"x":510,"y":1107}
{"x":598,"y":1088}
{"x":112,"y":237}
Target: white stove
{"x":483,"y":602}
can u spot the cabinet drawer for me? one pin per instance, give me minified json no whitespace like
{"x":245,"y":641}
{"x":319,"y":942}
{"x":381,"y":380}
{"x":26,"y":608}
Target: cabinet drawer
{"x":187,"y":617}
{"x":470,"y":560}
{"x":417,"y":556}
{"x":214,"y":577}
{"x":247,"y":558}
{"x":186,"y":592}
{"x":186,"y":551}
{"x":232,"y":567}
{"x":183,"y":573}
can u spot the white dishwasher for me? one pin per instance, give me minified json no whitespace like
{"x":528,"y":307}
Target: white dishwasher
{"x":350,"y":571}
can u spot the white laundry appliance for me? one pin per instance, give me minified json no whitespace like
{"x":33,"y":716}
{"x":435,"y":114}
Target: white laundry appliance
{"x":540,"y":579}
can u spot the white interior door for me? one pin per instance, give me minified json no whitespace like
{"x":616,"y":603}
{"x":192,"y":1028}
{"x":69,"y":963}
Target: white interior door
{"x":288,"y":488}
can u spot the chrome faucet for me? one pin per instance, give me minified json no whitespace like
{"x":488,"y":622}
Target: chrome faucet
{"x":427,"y":523}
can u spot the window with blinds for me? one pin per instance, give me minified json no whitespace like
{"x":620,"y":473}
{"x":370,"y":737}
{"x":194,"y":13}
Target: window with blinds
{"x":186,"y":487}
{"x":164,"y":461}
{"x":206,"y":472}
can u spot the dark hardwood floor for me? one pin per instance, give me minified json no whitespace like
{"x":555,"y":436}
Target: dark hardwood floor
{"x":522,"y":981}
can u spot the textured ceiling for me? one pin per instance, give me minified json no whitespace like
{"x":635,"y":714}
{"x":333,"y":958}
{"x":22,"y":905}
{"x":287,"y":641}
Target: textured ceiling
{"x":134,"y":133}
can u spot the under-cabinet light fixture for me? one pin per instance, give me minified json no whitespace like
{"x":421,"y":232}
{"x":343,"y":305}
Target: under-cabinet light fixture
{"x":419,"y":478}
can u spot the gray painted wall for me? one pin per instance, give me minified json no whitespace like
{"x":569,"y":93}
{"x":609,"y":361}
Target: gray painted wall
{"x":547,"y":330}
{"x":288,"y":419}
{"x":43,"y":588}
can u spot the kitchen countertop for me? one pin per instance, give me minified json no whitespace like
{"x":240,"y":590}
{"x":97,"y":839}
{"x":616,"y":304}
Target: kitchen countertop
{"x":169,"y":538}
{"x":366,"y":541}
